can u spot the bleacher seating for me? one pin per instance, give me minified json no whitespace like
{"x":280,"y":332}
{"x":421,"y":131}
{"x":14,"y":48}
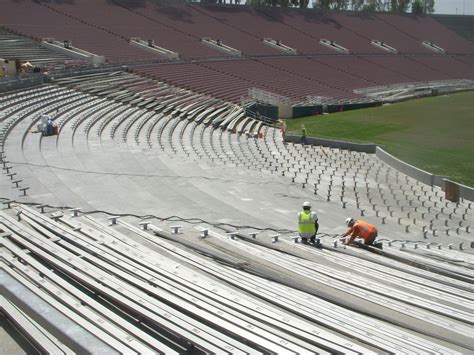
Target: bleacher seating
{"x":462,"y":25}
{"x":317,"y":70}
{"x":230,"y":80}
{"x":183,"y":124}
{"x":363,"y":24}
{"x":16,"y":47}
{"x":37,"y":20}
{"x":253,"y":22}
{"x":328,"y":76}
{"x":166,"y":146}
{"x":186,"y":300}
{"x":447,"y":65}
{"x":427,"y":29}
{"x":410,"y":67}
{"x":191,"y":21}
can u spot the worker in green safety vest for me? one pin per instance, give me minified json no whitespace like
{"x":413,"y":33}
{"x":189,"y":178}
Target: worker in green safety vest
{"x":304,"y":134}
{"x":308,"y":225}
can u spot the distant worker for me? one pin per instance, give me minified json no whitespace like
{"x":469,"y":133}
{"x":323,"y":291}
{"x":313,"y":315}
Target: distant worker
{"x":49,"y":127}
{"x":308,"y":225}
{"x":303,"y":135}
{"x":361,"y":229}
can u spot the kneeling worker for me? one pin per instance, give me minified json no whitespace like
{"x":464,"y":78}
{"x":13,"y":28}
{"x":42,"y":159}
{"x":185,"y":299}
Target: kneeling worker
{"x":308,"y":225}
{"x":361,"y":229}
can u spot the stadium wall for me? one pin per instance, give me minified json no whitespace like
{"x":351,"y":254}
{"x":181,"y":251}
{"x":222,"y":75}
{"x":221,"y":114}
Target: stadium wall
{"x":410,"y":170}
{"x":425,"y":177}
{"x":466,"y":192}
{"x":304,"y":111}
{"x":358,"y":147}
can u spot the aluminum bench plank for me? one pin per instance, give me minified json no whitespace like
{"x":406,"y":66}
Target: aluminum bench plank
{"x":183,"y":292}
{"x":454,"y":286}
{"x":142,"y":257}
{"x":32,"y":330}
{"x":318,"y":332}
{"x":75,"y":305}
{"x":397,"y":277}
{"x":452,"y":268}
{"x":410,"y":310}
{"x":336,"y":315}
{"x":119,"y":291}
{"x":103,"y":336}
{"x":337,"y":280}
{"x":177,"y":298}
{"x":102,"y":276}
{"x":90,"y":302}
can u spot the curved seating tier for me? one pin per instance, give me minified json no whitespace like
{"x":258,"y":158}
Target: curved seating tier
{"x":177,"y":156}
{"x":102,"y":116}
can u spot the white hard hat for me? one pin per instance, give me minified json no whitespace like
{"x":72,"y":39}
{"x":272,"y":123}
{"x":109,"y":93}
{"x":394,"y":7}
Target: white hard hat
{"x":349,"y":220}
{"x":306,"y":204}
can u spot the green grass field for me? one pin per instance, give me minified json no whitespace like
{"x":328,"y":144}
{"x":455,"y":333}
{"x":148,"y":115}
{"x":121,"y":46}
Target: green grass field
{"x":435,"y":134}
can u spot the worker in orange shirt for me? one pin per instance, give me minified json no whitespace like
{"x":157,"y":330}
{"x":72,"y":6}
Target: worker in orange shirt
{"x":361,"y":229}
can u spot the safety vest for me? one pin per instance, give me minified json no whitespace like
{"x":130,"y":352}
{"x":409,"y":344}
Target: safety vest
{"x":306,"y":223}
{"x":363,"y":229}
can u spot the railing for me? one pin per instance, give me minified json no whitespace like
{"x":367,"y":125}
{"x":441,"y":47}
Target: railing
{"x":268,"y":97}
{"x":20,"y":82}
{"x":266,"y":120}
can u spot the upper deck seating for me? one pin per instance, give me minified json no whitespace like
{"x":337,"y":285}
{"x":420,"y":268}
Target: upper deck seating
{"x":319,"y":26}
{"x":317,"y":71}
{"x":192,"y":21}
{"x":428,"y":29}
{"x":16,"y":47}
{"x":145,"y":23}
{"x":180,"y":28}
{"x":462,"y":25}
{"x":370,"y":27}
{"x":38,"y":21}
{"x":253,"y":22}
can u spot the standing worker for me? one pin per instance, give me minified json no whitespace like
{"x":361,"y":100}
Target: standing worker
{"x":359,"y":228}
{"x":308,"y":225}
{"x":303,"y":134}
